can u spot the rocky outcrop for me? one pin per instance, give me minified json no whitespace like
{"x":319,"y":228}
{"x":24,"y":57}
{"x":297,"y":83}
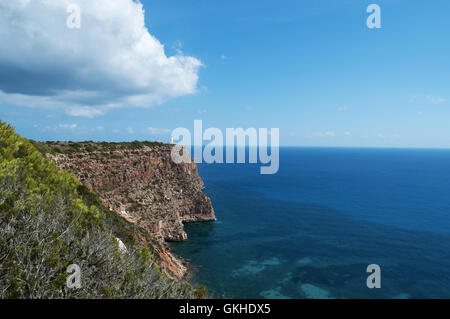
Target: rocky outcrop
{"x":141,"y":183}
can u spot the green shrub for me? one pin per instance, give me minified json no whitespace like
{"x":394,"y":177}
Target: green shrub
{"x":200,"y":292}
{"x":49,"y":220}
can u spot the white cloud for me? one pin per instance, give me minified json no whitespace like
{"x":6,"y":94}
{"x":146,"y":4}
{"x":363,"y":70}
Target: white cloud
{"x":112,"y":61}
{"x":55,"y":128}
{"x":67,"y":126}
{"x":347,"y":133}
{"x":343,"y":108}
{"x":98,"y":129}
{"x":157,"y":131}
{"x":130,"y":130}
{"x":202,"y":111}
{"x":84,"y":111}
{"x":435,"y":99}
{"x":325,"y":134}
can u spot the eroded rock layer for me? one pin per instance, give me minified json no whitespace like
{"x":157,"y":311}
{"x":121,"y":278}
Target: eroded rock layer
{"x":141,"y":183}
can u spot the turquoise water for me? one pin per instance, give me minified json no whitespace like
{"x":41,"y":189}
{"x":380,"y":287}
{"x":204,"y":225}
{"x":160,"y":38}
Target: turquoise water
{"x":311,"y":230}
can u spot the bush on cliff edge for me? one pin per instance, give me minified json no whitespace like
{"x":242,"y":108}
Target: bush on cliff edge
{"x":49,"y":220}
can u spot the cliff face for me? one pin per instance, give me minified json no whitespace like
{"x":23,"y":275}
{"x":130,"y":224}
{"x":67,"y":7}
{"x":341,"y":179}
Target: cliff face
{"x":142,"y":184}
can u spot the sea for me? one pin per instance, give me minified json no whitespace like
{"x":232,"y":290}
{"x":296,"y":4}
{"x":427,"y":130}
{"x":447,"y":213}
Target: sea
{"x":312,"y":229}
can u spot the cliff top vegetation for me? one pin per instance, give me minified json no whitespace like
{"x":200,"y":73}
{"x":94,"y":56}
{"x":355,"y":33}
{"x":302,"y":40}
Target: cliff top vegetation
{"x":50,"y":220}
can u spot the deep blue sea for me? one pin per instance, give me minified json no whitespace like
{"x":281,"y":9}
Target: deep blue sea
{"x":311,"y":230}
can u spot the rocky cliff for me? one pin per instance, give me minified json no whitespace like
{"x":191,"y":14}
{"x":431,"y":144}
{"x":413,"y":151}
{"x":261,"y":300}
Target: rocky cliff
{"x":141,"y":183}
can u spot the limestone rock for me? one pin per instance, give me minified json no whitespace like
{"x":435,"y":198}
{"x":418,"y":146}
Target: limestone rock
{"x":144,"y":186}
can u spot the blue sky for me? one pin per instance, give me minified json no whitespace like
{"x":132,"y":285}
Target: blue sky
{"x":311,"y":68}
